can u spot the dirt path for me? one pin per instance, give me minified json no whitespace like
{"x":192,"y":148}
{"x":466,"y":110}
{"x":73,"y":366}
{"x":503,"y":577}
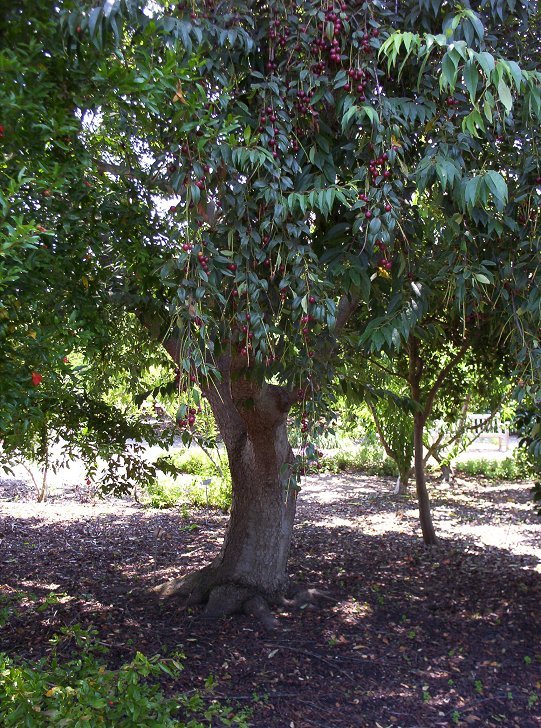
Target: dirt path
{"x":409,"y":637}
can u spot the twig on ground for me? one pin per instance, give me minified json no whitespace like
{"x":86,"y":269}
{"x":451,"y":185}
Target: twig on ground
{"x":311,"y":654}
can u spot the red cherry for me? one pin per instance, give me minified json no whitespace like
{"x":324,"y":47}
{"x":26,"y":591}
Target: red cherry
{"x":388,"y":208}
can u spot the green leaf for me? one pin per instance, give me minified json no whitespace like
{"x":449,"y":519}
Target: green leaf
{"x":505,"y":95}
{"x":472,"y":191}
{"x":498,"y":188}
{"x":471,"y":79}
{"x":370,"y":112}
{"x":482,"y":278}
{"x":448,"y":71}
{"x":476,"y":23}
{"x":486,"y":61}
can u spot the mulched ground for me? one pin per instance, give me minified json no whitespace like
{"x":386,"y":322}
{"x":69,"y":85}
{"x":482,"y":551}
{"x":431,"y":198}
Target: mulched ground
{"x":409,"y":637}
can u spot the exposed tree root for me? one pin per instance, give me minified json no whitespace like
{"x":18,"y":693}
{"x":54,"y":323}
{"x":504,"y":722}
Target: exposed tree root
{"x":258,"y":607}
{"x":223,"y":597}
{"x":300,"y":595}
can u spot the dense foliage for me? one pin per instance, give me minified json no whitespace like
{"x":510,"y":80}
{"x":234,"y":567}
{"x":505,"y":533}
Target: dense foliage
{"x":247,"y":182}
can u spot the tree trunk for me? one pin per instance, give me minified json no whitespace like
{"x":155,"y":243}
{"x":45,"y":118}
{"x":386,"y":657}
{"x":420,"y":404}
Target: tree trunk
{"x":427,"y":527}
{"x":419,"y":418}
{"x":251,"y":568}
{"x":402,"y":482}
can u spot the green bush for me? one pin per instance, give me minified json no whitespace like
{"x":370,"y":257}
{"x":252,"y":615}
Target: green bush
{"x":517,"y":467}
{"x":196,"y":462}
{"x":83,"y":691}
{"x":210,"y":487}
{"x":164,"y":492}
{"x":366,"y":458}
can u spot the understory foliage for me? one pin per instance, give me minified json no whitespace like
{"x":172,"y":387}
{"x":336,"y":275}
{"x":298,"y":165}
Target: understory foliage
{"x":83,"y":690}
{"x":256,"y":188}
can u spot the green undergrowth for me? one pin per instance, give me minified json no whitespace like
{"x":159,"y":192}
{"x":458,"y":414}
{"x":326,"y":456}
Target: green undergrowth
{"x":83,"y":691}
{"x":208,"y":486}
{"x":516,"y":467}
{"x":368,"y":459}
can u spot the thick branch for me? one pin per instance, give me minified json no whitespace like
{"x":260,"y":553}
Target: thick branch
{"x":346,"y":307}
{"x":441,"y":378}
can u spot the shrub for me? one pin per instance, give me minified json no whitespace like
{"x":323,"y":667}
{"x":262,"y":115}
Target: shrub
{"x":517,"y":467}
{"x":211,"y":487}
{"x":84,"y":691}
{"x":366,"y":458}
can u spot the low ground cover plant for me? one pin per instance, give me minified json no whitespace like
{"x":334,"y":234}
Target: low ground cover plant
{"x":83,"y":690}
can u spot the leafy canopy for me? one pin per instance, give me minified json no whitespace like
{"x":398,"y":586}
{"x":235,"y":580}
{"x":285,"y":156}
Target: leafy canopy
{"x":239,"y":176}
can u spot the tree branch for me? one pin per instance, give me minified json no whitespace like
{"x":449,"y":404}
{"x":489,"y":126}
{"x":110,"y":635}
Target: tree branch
{"x":346,"y":307}
{"x":379,"y":430}
{"x":441,"y":377}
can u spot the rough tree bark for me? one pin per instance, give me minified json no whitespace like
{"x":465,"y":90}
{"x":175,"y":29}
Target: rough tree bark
{"x":251,"y":569}
{"x":250,"y":572}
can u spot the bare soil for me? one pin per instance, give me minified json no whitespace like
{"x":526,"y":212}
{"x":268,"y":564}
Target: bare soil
{"x":409,"y":636}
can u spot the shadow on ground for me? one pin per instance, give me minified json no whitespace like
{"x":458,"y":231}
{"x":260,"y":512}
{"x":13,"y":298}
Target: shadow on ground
{"x":409,"y":636}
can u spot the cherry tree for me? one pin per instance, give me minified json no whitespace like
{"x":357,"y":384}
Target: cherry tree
{"x":263,"y":187}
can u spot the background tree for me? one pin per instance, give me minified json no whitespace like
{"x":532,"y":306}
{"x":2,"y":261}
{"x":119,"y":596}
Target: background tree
{"x":253,"y":182}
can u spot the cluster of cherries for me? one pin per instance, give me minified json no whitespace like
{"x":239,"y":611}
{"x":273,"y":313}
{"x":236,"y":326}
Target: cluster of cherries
{"x":270,"y":115}
{"x":281,"y":38}
{"x":365,"y":43}
{"x":188,"y":421}
{"x":203,"y":261}
{"x":358,"y":82}
{"x":377,"y":167}
{"x":247,"y":336}
{"x":302,"y":102}
{"x":383,"y":262}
